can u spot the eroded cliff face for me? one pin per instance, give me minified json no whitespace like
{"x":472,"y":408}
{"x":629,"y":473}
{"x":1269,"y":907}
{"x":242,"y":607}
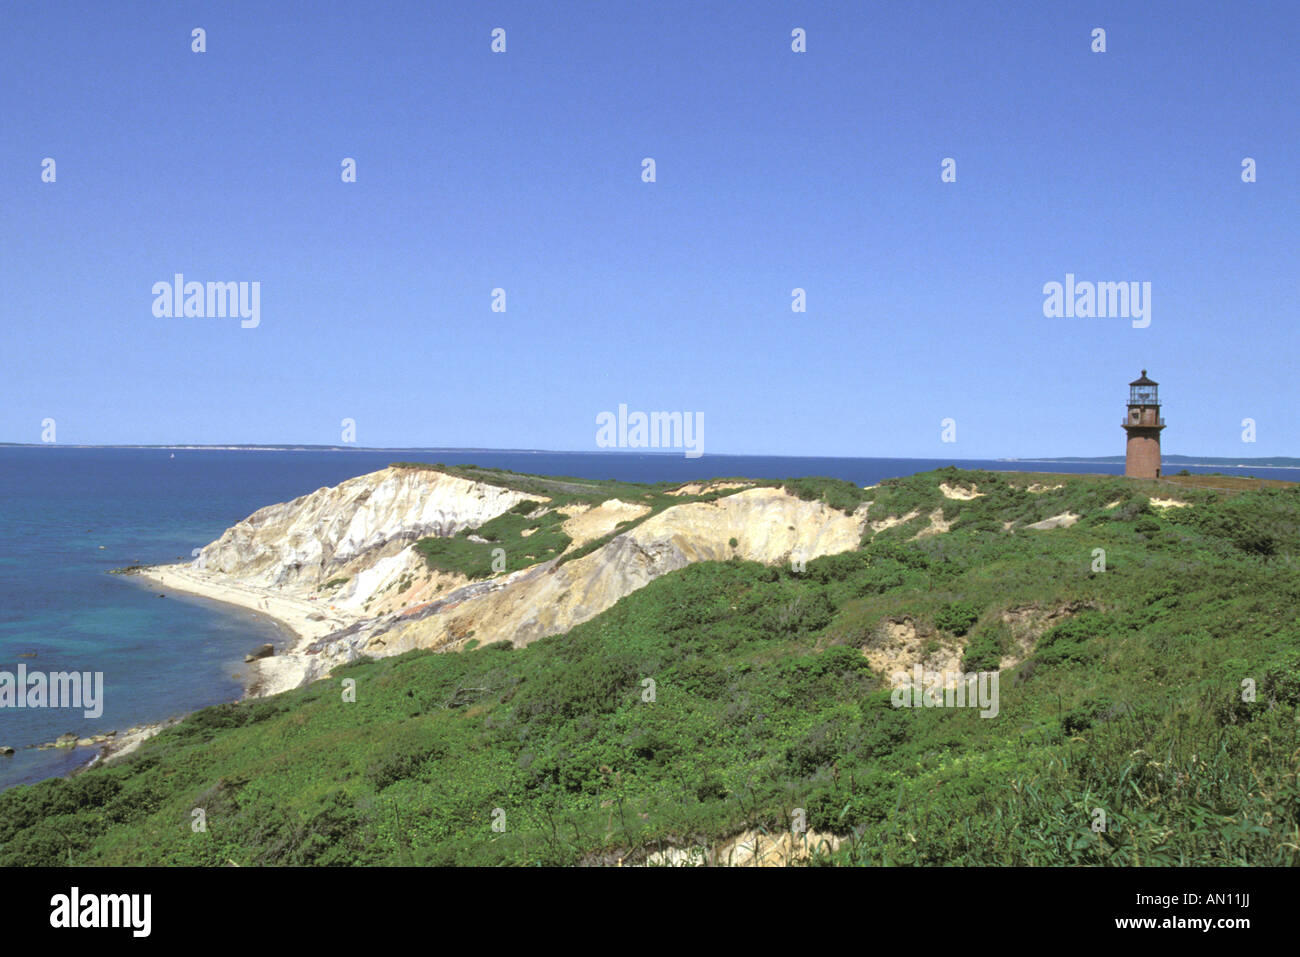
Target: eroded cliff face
{"x":363,"y":530}
{"x":357,"y":528}
{"x":768,"y":524}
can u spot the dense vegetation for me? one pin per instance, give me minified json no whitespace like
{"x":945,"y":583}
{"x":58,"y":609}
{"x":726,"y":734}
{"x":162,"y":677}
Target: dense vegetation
{"x":520,"y":537}
{"x":760,"y":701}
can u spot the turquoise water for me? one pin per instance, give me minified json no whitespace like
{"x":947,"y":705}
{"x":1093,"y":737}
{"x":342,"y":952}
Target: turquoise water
{"x":68,"y":516}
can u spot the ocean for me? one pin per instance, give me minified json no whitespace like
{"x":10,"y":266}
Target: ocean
{"x":70,"y":515}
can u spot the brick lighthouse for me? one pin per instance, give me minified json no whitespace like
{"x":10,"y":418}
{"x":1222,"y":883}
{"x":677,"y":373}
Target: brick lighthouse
{"x":1143,"y":425}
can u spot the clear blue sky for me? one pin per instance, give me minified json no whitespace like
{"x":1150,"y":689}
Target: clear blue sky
{"x":775,"y":170}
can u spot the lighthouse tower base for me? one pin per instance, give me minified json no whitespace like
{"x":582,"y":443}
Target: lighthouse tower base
{"x":1142,"y":456}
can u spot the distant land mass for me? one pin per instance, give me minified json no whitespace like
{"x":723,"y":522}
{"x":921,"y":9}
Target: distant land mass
{"x":301,"y":447}
{"x":1273,"y":462}
{"x":1270,"y":462}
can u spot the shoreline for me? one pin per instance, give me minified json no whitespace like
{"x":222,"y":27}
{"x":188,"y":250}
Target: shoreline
{"x":120,"y":745}
{"x":303,"y":621}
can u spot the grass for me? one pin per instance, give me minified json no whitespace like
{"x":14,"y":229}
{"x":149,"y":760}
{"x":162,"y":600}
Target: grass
{"x":506,"y":543}
{"x":1130,"y":704}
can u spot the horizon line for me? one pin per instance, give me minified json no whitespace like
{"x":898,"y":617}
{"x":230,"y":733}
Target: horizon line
{"x":1256,"y":461}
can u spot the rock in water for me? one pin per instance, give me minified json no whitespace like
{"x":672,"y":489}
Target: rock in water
{"x":263,"y":652}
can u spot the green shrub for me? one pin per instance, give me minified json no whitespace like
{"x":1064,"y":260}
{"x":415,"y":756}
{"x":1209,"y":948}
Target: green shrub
{"x":1072,"y":640}
{"x":984,"y":651}
{"x":1080,"y":719}
{"x":957,"y":617}
{"x":407,"y":753}
{"x":835,"y":493}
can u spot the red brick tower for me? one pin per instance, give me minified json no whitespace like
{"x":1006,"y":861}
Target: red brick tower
{"x":1143,"y":425}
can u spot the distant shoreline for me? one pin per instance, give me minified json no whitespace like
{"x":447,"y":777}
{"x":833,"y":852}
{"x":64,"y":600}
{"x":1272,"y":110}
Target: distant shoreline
{"x":1169,"y":462}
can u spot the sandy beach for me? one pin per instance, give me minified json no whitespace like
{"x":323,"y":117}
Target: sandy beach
{"x":305,"y":620}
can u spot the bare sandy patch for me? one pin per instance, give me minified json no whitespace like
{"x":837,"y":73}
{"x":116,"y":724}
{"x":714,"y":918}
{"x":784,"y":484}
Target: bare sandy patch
{"x":1064,"y":520}
{"x":937,"y":525}
{"x":1037,"y":489}
{"x":893,"y":521}
{"x":1169,"y":503}
{"x":898,"y":645}
{"x":957,"y":492}
{"x":750,"y":849}
{"x":586,"y":523}
{"x":704,"y":488}
{"x":1027,"y":624}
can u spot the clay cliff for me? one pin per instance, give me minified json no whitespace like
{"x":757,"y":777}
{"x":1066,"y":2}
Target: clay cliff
{"x":339,"y":566}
